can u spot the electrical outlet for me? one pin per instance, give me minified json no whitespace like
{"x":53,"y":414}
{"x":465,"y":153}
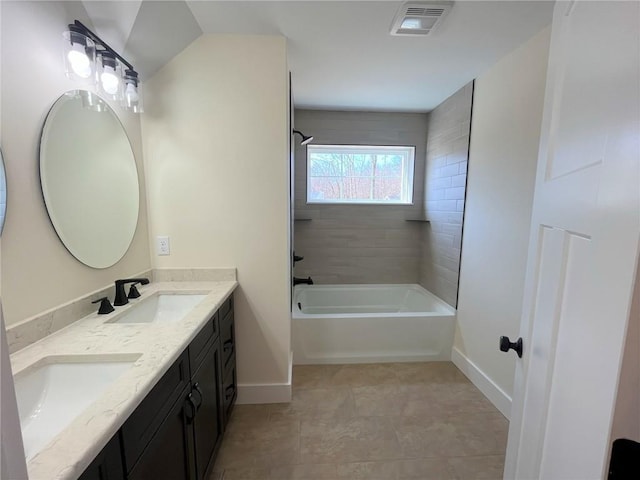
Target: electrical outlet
{"x":162,"y":245}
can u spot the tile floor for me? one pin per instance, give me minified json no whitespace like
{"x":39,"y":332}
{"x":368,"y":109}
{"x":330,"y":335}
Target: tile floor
{"x":368,"y":422}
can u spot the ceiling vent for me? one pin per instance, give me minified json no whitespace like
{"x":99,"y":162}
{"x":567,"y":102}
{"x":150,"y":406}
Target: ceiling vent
{"x":419,"y":18}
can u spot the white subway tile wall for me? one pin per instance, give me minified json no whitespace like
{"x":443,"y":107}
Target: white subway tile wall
{"x":445,"y":184}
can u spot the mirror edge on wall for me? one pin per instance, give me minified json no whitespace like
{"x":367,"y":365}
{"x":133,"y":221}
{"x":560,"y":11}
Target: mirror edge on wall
{"x":3,"y":192}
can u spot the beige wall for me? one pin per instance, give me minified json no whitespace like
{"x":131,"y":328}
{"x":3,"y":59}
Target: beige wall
{"x":216,"y":153}
{"x":507,"y":112}
{"x":359,"y":243}
{"x":445,"y":181}
{"x":37,"y":271}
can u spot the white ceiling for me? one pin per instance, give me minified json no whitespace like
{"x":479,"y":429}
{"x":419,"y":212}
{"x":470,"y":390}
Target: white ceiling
{"x":340,"y":52}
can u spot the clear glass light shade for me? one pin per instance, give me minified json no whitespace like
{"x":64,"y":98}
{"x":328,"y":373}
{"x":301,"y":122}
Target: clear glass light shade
{"x":109,"y":77}
{"x":132,"y":96}
{"x":79,"y":55}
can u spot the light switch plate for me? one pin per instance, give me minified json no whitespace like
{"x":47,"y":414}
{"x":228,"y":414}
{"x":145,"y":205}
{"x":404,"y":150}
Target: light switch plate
{"x":162,"y":245}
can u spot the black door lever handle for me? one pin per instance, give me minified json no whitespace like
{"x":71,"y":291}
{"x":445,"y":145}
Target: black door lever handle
{"x":506,"y":345}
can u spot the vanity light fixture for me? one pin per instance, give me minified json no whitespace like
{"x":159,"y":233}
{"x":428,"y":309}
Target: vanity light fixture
{"x":305,"y":139}
{"x":89,"y":59}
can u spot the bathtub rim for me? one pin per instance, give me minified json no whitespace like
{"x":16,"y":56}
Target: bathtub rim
{"x":297,"y":314}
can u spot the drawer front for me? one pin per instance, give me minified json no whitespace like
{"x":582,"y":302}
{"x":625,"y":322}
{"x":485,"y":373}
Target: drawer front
{"x":226,"y":307}
{"x":227,"y":338}
{"x":197,"y":347}
{"x":229,"y":388}
{"x":147,"y":418}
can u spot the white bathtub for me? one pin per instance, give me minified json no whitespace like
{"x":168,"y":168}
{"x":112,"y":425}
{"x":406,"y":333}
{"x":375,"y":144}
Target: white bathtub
{"x":370,"y":323}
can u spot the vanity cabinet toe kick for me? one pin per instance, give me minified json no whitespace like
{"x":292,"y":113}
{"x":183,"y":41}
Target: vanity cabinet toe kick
{"x":177,"y":429}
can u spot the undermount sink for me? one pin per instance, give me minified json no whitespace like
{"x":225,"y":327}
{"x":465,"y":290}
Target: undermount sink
{"x":54,"y":391}
{"x":161,"y":308}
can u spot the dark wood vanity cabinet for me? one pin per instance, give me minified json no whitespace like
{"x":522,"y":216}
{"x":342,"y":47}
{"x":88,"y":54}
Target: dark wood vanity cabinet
{"x":169,"y":453}
{"x":157,"y":439}
{"x":228,"y":342}
{"x":177,"y":429}
{"x":208,"y":419}
{"x":146,"y":423}
{"x":108,"y":464}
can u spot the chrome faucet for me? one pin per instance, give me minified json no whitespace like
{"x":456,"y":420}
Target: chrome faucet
{"x":121,"y":296}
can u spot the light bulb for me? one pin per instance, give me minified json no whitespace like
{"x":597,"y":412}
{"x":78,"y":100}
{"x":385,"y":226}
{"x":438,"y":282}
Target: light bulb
{"x":109,"y":80}
{"x":79,"y":61}
{"x":411,"y":23}
{"x":131,"y":94}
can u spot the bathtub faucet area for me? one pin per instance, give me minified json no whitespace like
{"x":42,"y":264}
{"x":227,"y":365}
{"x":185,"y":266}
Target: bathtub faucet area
{"x":300,"y":281}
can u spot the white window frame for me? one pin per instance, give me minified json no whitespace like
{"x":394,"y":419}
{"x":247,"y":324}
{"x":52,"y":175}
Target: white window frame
{"x":408,"y":153}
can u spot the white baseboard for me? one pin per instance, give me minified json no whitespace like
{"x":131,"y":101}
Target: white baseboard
{"x":493,"y":392}
{"x":252,"y":393}
{"x":291,"y":367}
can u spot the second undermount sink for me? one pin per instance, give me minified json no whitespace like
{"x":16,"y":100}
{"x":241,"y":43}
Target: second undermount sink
{"x":54,"y":391}
{"x":161,"y":308}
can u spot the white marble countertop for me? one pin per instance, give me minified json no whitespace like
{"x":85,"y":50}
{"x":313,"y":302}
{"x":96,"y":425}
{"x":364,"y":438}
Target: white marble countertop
{"x":158,"y":346}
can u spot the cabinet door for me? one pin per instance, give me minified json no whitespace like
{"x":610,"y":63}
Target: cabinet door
{"x":229,"y":388}
{"x":208,"y":419}
{"x":143,"y":424}
{"x":169,"y":454}
{"x":108,"y":464}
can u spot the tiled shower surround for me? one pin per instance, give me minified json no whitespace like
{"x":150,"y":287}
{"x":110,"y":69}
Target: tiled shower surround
{"x":359,"y":243}
{"x":445,"y":187}
{"x":384,"y":243}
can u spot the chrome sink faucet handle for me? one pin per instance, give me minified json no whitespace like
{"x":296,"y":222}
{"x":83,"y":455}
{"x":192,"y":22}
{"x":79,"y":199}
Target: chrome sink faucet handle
{"x":121,"y":295}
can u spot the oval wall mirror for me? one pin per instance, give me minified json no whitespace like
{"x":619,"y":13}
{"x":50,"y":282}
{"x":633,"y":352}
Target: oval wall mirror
{"x":3,"y":192}
{"x":89,"y":179}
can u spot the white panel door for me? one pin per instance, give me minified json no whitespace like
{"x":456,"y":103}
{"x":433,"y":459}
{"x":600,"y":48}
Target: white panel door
{"x":12,"y":459}
{"x":583,"y":245}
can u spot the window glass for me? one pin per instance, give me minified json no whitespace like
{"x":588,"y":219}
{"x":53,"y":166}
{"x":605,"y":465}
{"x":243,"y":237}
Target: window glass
{"x":360,"y":174}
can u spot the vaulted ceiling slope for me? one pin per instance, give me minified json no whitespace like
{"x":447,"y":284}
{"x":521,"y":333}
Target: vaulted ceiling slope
{"x":340,"y":52}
